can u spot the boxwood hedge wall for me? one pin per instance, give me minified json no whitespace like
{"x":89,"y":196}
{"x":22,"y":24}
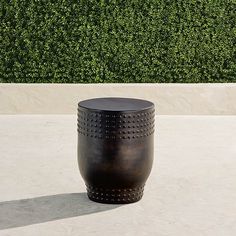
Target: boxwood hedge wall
{"x":90,"y":41}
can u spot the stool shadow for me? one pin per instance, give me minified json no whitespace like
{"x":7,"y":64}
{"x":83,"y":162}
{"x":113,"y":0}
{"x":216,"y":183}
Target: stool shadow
{"x":25,"y":212}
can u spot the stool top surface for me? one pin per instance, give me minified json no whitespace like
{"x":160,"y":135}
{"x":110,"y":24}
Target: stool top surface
{"x":116,"y":104}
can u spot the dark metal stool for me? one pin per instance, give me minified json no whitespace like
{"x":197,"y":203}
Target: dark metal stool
{"x":115,"y":147}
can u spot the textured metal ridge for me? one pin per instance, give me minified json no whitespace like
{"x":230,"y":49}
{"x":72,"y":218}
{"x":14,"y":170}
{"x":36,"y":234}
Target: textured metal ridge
{"x":121,"y":195}
{"x":116,"y":125}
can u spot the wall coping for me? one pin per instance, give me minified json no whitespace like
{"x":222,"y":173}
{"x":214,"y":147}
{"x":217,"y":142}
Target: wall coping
{"x":170,"y":99}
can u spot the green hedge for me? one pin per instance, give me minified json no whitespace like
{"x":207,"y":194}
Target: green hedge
{"x":90,"y":41}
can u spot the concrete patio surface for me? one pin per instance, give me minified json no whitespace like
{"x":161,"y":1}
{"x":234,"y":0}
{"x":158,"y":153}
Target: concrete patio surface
{"x":191,"y":189}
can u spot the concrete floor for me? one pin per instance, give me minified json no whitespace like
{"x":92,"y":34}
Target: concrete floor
{"x":191,"y":190}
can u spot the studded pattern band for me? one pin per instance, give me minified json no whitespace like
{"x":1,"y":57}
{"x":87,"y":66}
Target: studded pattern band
{"x":113,"y":125}
{"x":115,"y":196}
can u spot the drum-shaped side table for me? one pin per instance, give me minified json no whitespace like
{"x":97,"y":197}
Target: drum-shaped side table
{"x":115,"y":147}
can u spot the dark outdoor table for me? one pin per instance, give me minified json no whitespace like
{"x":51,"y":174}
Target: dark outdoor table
{"x":115,"y":147}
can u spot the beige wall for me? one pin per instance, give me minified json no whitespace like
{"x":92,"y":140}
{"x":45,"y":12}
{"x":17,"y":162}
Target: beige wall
{"x":170,"y":99}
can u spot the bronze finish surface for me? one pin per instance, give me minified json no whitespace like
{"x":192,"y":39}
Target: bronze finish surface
{"x":115,"y":147}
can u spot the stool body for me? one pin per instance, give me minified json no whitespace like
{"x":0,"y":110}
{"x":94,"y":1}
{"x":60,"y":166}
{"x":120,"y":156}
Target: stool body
{"x":115,"y":147}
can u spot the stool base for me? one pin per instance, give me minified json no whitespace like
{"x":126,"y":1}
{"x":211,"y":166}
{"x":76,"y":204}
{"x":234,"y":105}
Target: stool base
{"x":115,"y":196}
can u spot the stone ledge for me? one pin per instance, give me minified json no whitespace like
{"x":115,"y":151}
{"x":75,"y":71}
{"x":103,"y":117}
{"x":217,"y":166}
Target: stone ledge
{"x":170,"y":99}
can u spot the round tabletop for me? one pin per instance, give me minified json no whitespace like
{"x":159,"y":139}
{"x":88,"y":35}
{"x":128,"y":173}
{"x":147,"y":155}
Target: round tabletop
{"x":116,"y":104}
